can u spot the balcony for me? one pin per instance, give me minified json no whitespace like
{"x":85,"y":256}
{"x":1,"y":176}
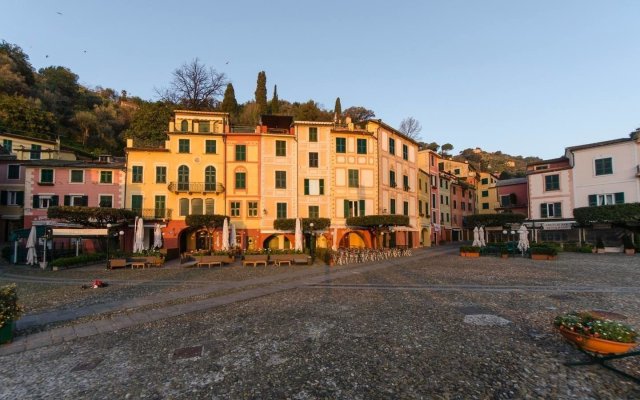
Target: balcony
{"x":152,"y":213}
{"x":196,"y":187}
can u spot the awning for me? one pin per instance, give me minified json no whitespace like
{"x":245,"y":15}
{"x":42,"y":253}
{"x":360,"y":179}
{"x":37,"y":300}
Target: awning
{"x":77,"y":232}
{"x":24,"y":233}
{"x":557,"y":226}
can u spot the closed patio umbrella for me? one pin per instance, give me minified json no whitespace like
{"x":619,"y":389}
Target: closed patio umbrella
{"x":523,"y":242}
{"x":476,"y":237}
{"x":481,"y":236}
{"x":225,"y":235}
{"x":138,"y":245}
{"x":157,"y":237}
{"x":298,"y":244}
{"x":32,"y":257}
{"x":232,"y":242}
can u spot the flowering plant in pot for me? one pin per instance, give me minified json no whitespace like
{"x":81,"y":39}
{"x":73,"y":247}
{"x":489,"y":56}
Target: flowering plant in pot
{"x":593,"y":333}
{"x":10,"y":310}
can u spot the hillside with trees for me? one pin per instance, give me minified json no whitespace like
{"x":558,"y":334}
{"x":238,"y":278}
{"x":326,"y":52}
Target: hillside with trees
{"x":504,"y":165}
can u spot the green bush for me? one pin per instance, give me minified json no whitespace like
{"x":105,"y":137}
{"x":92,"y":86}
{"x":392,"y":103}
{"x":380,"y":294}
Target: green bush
{"x":83,"y":259}
{"x":469,"y":249}
{"x":289,"y":224}
{"x":377,"y":220}
{"x":503,"y":219}
{"x":542,"y":249}
{"x":587,"y":248}
{"x":570,"y":246}
{"x":10,"y":310}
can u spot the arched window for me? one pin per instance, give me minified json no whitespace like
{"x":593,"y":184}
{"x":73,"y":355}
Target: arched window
{"x":196,"y":206}
{"x":183,"y":177}
{"x":184,"y":125}
{"x":184,"y":207}
{"x":210,"y":179}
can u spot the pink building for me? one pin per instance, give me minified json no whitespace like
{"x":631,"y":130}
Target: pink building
{"x":513,"y":196}
{"x":50,"y":183}
{"x":11,"y":195}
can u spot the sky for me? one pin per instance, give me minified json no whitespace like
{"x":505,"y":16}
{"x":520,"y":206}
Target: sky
{"x":524,"y":77}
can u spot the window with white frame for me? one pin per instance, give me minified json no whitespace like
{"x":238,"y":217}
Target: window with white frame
{"x":606,"y":199}
{"x":551,"y":210}
{"x":76,"y":176}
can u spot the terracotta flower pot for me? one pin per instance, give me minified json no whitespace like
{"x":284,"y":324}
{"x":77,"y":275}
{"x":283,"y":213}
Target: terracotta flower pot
{"x":629,"y":252}
{"x":596,"y":345}
{"x":472,"y":255}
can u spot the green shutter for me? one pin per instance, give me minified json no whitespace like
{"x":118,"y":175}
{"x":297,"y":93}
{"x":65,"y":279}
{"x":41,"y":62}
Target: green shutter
{"x":543,"y":210}
{"x":85,"y":201}
{"x":346,"y":208}
{"x":361,"y":206}
{"x":3,"y":197}
{"x":557,"y":210}
{"x":20,"y":198}
{"x":619,"y":197}
{"x":36,"y":201}
{"x":593,"y":200}
{"x":67,"y":200}
{"x":54,"y":200}
{"x":321,"y":186}
{"x":306,"y":186}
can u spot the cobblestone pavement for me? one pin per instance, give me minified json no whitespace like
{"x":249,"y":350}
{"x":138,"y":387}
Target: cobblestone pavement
{"x":398,"y":329}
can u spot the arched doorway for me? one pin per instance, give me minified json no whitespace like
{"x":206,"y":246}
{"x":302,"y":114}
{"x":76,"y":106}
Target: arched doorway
{"x":191,"y":239}
{"x":352,"y":240}
{"x":275,"y":242}
{"x":424,"y":237}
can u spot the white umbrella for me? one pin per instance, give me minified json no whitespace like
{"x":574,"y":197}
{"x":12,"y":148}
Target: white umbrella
{"x":481,"y":236}
{"x":225,"y":235}
{"x":138,"y":245}
{"x":232,"y":242}
{"x":135,"y":229}
{"x":298,"y":244}
{"x":476,"y":237}
{"x":32,"y":257}
{"x":523,"y":242}
{"x":157,"y":236}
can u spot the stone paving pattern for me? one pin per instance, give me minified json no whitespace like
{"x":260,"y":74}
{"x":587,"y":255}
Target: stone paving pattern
{"x":392,"y":329}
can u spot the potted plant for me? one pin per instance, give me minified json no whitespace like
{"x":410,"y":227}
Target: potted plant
{"x":504,"y":252}
{"x":629,"y":248}
{"x":9,"y":312}
{"x":543,"y":252}
{"x":470,"y":251}
{"x":600,"y":246}
{"x":595,"y":334}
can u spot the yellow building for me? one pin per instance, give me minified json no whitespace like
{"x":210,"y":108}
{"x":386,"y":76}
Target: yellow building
{"x":487,"y":193}
{"x":429,"y":161}
{"x":444,"y":191}
{"x":28,"y":148}
{"x":424,"y":213}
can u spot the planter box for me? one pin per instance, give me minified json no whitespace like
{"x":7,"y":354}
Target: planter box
{"x":600,"y":251}
{"x":596,"y":345}
{"x":471,"y":255}
{"x":629,"y":252}
{"x":543,"y":257}
{"x":6,"y":332}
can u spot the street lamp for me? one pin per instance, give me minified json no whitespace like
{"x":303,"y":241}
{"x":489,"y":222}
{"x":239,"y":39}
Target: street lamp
{"x":312,"y":251}
{"x":108,"y":240}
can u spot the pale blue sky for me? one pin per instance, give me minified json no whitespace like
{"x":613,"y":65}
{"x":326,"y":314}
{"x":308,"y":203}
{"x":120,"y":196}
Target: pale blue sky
{"x":527,"y":78}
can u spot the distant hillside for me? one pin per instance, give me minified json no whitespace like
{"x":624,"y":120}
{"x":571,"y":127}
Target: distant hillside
{"x":496,"y":162}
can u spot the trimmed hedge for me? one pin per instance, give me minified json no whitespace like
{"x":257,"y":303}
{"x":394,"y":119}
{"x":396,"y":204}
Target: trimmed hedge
{"x":91,"y":216}
{"x":83,"y":259}
{"x":197,"y":221}
{"x":542,"y":249}
{"x":471,"y":221}
{"x":377,"y":220}
{"x":469,"y":249}
{"x":620,"y":214}
{"x":289,"y":224}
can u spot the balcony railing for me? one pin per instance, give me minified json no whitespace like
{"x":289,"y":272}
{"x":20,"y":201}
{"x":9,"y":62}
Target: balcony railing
{"x":152,"y":213}
{"x":196,"y":187}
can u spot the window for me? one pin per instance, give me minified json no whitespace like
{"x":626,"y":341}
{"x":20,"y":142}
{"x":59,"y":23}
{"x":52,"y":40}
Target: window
{"x":136,"y":174}
{"x":183,"y":177}
{"x":241,"y":152}
{"x":420,"y":208}
{"x":405,"y":152}
{"x":463,"y":205}
{"x":541,"y":167}
{"x":13,"y":172}
{"x":314,"y":187}
{"x":281,"y":148}
{"x":11,"y":198}
{"x":313,"y":160}
{"x":76,"y":176}
{"x":434,"y":202}
{"x":485,"y":206}
{"x":46,"y":176}
{"x":341,"y":145}
{"x":485,"y":181}
{"x":76,"y":200}
{"x":210,"y":179}
{"x":209,"y":206}
{"x":392,"y":146}
{"x":446,"y":200}
{"x":252,"y":208}
{"x":362,"y":146}
{"x":441,"y":199}
{"x":604,"y":166}
{"x":355,"y":208}
{"x":552,"y":182}
{"x":505,"y":201}
{"x":314,"y":211}
{"x":447,"y":217}
{"x":235,"y":208}
{"x":161,"y":174}
{"x":197,"y":206}
{"x":184,"y":145}
{"x":105,"y":201}
{"x":441,"y":217}
{"x":184,"y":207}
{"x":485,"y":193}
{"x":160,"y":203}
{"x":7,"y":144}
{"x":392,"y":206}
{"x":106,"y":176}
{"x":392,"y":179}
{"x":136,"y":202}
{"x":44,"y":201}
{"x":551,"y":210}
{"x":36,"y":151}
{"x":204,"y":126}
{"x":405,"y":182}
{"x":446,"y":184}
{"x":313,"y":134}
{"x":281,"y":210}
{"x":470,"y":207}
{"x":241,"y":180}
{"x":606,"y":199}
{"x":281,"y":179}
{"x":456,"y":171}
{"x":210,"y":147}
{"x":455,"y":205}
{"x":353,"y":178}
{"x":184,"y":126}
{"x":405,"y":208}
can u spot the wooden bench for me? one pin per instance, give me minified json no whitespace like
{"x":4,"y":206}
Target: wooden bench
{"x":209,"y":263}
{"x":301,"y":259}
{"x":254,"y":262}
{"x":281,"y":259}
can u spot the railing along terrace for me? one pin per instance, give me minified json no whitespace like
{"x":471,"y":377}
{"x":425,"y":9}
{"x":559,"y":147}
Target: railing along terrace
{"x":152,"y":213}
{"x":196,"y":187}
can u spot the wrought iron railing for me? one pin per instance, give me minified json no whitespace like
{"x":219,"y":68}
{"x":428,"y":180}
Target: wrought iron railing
{"x":196,"y":187}
{"x":152,"y":213}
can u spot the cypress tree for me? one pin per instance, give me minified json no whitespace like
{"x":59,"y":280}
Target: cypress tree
{"x":275,"y":102}
{"x":337,"y":110}
{"x":229,"y":103}
{"x":261,"y":92}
